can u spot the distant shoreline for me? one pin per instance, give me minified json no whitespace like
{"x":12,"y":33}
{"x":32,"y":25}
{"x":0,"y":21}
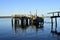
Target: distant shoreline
{"x":5,"y":16}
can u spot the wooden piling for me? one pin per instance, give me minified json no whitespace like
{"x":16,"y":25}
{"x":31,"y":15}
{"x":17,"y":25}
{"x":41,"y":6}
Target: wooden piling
{"x":55,"y":24}
{"x":51,"y":24}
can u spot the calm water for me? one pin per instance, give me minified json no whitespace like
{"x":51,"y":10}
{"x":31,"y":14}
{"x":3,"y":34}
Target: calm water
{"x":10,"y":32}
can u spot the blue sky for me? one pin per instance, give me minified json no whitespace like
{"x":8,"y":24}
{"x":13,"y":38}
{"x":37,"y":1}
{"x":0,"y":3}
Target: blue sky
{"x":9,"y":7}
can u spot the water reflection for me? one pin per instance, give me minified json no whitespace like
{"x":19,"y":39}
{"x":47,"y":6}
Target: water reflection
{"x":29,"y":32}
{"x":55,"y":30}
{"x":17,"y":26}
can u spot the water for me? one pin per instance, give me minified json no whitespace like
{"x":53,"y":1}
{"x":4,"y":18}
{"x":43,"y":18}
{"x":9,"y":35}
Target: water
{"x":9,"y":32}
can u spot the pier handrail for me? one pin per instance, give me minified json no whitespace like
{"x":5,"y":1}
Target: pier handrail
{"x":54,"y":13}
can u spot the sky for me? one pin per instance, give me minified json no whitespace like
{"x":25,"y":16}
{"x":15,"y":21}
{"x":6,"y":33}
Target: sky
{"x":11,"y":7}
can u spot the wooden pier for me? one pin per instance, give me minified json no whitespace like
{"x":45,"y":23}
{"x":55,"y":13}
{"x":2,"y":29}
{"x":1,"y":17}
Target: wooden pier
{"x":54,"y":16}
{"x":25,"y":20}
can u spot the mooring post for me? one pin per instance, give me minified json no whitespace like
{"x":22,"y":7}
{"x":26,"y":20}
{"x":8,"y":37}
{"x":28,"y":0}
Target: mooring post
{"x":29,"y":21}
{"x":22,"y":21}
{"x":55,"y":24}
{"x":26,"y":21}
{"x":51,"y":24}
{"x":12,"y":22}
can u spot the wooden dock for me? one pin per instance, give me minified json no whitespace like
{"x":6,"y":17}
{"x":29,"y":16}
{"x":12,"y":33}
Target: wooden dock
{"x":27,"y":20}
{"x":54,"y":16}
{"x":34,"y":20}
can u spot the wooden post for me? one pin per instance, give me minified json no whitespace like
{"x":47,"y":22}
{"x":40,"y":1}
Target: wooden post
{"x":55,"y":24}
{"x":12,"y":20}
{"x":12,"y":23}
{"x":22,"y":20}
{"x":26,"y":21}
{"x":51,"y":24}
{"x":30,"y":21}
{"x":15,"y":24}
